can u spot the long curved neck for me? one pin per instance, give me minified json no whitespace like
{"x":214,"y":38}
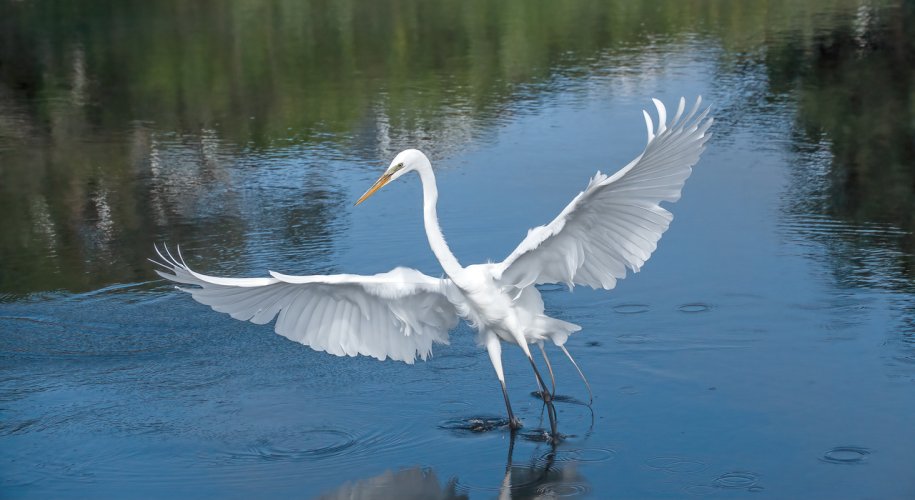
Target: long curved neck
{"x":436,"y":240}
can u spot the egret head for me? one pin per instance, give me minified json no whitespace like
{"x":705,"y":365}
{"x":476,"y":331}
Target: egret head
{"x":405,"y":161}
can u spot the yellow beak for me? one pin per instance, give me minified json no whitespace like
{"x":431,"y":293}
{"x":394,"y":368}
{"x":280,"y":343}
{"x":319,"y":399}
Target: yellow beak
{"x":375,"y":187}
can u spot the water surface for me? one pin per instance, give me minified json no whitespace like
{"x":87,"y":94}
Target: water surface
{"x":766,"y":349}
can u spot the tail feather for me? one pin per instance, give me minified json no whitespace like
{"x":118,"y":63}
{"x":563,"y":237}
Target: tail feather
{"x":556,"y":330}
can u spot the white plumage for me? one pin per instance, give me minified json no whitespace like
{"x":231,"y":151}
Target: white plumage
{"x":612,"y":226}
{"x":616,"y":222}
{"x":397,"y":315}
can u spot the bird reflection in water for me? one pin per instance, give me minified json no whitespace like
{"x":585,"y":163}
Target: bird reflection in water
{"x":416,"y":482}
{"x":543,"y":476}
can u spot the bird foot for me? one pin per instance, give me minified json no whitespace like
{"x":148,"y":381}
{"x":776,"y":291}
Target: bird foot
{"x":514,"y":424}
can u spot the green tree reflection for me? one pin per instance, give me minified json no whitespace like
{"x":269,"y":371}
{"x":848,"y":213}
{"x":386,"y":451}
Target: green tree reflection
{"x":97,"y":100}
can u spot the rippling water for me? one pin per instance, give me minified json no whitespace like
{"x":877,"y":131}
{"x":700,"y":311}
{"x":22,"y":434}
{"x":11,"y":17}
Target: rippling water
{"x":766,"y":349}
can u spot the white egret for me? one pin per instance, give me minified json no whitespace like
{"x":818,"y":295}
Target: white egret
{"x":612,"y":226}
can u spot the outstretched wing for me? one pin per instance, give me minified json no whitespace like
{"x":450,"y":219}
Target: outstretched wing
{"x":398,"y":314}
{"x":616,"y":222}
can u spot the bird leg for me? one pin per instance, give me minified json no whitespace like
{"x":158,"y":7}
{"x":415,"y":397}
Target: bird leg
{"x":522,"y":342}
{"x":553,"y":434}
{"x":580,"y":373}
{"x":549,"y":367}
{"x":547,"y":397}
{"x":540,"y":387}
{"x":513,"y":422}
{"x":547,"y":400}
{"x":495,"y":356}
{"x":551,"y":413}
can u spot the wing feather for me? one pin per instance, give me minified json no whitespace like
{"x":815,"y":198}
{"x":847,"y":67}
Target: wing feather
{"x":399,"y":314}
{"x":616,"y":222}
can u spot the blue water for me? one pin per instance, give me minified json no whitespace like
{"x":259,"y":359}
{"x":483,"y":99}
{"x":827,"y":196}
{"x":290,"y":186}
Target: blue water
{"x":765,"y":350}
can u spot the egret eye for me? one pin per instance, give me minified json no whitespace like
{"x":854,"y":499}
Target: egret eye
{"x":397,"y":167}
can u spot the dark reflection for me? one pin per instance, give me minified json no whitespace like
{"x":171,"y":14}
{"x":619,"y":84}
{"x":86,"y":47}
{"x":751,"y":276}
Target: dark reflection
{"x":418,"y":483}
{"x":544,"y":475}
{"x":854,"y":189}
{"x":82,"y":220}
{"x":125,"y":123}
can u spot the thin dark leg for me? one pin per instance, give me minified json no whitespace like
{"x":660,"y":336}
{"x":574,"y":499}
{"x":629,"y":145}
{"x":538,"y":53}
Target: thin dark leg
{"x":513,"y":422}
{"x":549,"y":366}
{"x":505,"y":489}
{"x":495,"y":356}
{"x":554,"y":432}
{"x":547,"y":397}
{"x":580,"y":373}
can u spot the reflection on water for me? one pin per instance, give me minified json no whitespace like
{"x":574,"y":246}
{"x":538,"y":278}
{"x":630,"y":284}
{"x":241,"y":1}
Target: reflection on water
{"x":554,"y":473}
{"x":855,"y":184}
{"x":171,"y":134}
{"x":852,"y":195}
{"x":418,"y":483}
{"x":768,"y":346}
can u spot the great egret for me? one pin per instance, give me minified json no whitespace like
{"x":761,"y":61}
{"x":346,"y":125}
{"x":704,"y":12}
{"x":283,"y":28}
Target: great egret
{"x":614,"y":224}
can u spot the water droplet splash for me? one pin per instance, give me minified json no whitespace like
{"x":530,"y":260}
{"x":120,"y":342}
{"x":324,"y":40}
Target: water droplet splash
{"x":474,"y":424}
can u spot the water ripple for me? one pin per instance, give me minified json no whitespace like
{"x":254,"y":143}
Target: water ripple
{"x":476,"y":424}
{"x":631,"y":308}
{"x":454,"y":361}
{"x":319,"y":447}
{"x":736,"y":480}
{"x":676,"y":464}
{"x":580,"y":455}
{"x":696,"y":307}
{"x":847,"y":455}
{"x":454,"y":406}
{"x":560,"y":398}
{"x":316,"y":444}
{"x":630,"y":338}
{"x":48,"y":336}
{"x":563,"y":490}
{"x":532,"y":481}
